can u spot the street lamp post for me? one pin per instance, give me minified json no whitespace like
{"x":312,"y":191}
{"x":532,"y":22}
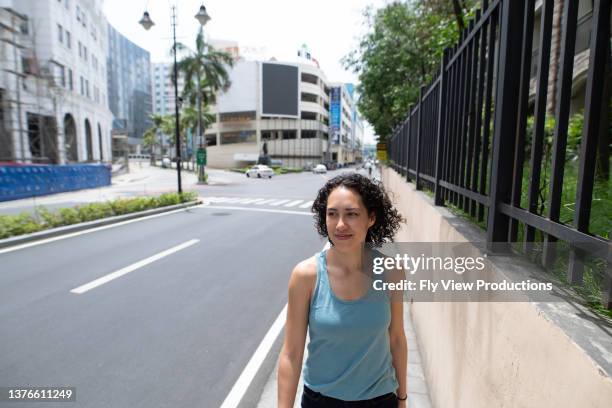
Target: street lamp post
{"x":203,"y":18}
{"x":147,"y":23}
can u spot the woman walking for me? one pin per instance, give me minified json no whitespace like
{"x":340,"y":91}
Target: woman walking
{"x":357,"y":354}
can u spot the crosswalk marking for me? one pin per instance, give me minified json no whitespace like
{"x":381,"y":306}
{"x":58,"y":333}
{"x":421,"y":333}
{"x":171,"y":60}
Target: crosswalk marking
{"x":293,"y":203}
{"x":228,"y":199}
{"x":274,"y":202}
{"x":279,"y":202}
{"x":243,"y":201}
{"x":266,"y":201}
{"x":251,"y":200}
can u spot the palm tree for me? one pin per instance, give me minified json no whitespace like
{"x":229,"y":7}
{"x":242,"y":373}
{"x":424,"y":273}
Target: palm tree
{"x":205,"y":73}
{"x":206,"y":66}
{"x":150,"y":136}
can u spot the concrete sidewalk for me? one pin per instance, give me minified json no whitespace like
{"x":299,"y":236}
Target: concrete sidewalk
{"x":418,"y":392}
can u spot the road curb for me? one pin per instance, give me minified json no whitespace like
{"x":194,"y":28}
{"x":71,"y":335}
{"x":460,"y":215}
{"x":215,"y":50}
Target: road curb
{"x":67,"y":229}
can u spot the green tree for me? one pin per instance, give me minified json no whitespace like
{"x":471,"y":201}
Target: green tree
{"x":399,"y":53}
{"x":206,"y":65}
{"x":150,"y":136}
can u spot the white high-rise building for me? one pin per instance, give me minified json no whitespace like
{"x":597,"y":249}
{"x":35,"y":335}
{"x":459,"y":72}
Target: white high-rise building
{"x":162,"y":87}
{"x":54,"y":93}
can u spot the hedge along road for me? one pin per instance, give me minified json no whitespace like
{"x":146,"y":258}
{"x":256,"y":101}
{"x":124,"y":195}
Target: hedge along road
{"x":193,"y":294}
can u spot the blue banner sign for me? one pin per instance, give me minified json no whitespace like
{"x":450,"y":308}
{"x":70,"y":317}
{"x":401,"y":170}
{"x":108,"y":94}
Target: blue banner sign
{"x":335,"y":111}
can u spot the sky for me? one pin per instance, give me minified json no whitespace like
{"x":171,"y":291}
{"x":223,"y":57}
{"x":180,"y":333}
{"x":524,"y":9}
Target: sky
{"x":272,"y":28}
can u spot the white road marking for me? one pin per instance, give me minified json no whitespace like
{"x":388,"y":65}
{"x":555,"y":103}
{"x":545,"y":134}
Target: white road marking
{"x":87,"y":231}
{"x":243,"y":201}
{"x":251,"y":200}
{"x":306,"y":204}
{"x":131,"y":268}
{"x":279,"y":202}
{"x":267,"y":201}
{"x":244,"y":381}
{"x":259,"y":200}
{"x":240,"y":386}
{"x":223,"y":207}
{"x":293,"y":203}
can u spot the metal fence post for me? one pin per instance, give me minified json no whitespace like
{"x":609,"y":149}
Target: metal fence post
{"x":440,"y":139}
{"x":506,"y":111}
{"x":417,"y":166}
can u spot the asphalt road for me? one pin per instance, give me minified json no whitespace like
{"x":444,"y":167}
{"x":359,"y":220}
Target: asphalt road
{"x":176,"y":332}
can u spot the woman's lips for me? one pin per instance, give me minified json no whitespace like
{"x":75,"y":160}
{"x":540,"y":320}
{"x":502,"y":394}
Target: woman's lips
{"x":343,"y":236}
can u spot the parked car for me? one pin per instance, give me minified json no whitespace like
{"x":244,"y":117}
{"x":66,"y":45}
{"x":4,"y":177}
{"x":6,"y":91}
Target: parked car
{"x":259,"y":171}
{"x":319,"y":168}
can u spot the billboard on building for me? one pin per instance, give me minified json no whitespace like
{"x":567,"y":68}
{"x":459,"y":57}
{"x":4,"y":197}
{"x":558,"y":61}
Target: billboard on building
{"x":241,"y":96}
{"x":335,"y":111}
{"x":279,"y":90}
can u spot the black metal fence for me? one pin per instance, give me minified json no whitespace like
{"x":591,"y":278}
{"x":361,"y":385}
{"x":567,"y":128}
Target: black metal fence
{"x":465,"y":138}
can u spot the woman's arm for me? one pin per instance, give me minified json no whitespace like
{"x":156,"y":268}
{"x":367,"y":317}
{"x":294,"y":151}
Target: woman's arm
{"x":397,"y":338}
{"x":290,"y":362}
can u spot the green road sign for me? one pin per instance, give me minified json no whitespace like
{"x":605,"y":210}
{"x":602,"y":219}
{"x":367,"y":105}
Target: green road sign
{"x":201,"y":157}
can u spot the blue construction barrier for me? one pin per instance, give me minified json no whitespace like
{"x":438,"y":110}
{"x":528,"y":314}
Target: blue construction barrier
{"x":26,"y":181}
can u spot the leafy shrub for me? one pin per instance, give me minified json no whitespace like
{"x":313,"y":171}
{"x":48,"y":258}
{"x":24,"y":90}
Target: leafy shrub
{"x":43,"y":218}
{"x":18,"y":224}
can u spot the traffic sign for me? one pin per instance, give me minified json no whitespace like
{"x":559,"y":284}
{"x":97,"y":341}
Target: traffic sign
{"x":201,"y":157}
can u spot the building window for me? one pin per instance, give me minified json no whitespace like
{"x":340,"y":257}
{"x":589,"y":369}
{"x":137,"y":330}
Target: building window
{"x":82,"y":86}
{"x":309,"y":115}
{"x":211,"y":139}
{"x":309,"y":134}
{"x":70,"y":83}
{"x":78,"y":13}
{"x":308,"y":97}
{"x":289,"y":134}
{"x":85,"y":53}
{"x":312,"y":79}
{"x":80,"y":49}
{"x":87,"y":87}
{"x":67,"y":4}
{"x":60,"y":33}
{"x":68,"y":39}
{"x":62,"y":75}
{"x":247,"y":136}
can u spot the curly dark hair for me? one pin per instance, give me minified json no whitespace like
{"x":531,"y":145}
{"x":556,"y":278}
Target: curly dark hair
{"x":375,"y":199}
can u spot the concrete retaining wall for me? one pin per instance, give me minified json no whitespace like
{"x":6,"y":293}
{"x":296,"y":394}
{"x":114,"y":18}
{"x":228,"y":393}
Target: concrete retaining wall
{"x":485,"y":355}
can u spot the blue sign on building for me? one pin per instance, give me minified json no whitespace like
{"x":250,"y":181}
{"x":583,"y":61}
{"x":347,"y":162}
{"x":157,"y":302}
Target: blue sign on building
{"x":335,"y":111}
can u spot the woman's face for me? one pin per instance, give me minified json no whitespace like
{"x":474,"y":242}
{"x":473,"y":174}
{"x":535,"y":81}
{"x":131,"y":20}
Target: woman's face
{"x":346,"y":218}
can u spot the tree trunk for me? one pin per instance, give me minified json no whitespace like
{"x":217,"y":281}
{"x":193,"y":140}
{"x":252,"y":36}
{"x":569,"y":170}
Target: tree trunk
{"x":458,"y":12}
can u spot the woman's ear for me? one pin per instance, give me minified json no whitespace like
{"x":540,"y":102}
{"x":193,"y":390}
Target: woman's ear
{"x":372,"y":219}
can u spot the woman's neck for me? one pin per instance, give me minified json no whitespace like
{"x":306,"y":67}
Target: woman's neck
{"x":349,"y":261}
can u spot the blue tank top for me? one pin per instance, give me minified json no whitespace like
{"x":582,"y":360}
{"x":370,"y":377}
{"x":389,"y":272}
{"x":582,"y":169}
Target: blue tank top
{"x":349,"y":355}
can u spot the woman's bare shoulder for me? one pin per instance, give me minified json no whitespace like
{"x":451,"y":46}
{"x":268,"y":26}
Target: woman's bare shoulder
{"x":304,"y":274}
{"x":306,"y":269}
